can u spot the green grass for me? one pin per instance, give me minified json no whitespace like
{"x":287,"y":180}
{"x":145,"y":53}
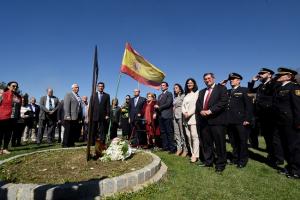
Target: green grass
{"x":189,"y":181}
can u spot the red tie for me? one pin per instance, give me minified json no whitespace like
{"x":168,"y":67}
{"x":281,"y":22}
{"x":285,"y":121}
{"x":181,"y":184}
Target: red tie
{"x":205,"y":107}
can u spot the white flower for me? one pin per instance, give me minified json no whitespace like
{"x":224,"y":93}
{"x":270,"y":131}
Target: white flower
{"x":118,"y":150}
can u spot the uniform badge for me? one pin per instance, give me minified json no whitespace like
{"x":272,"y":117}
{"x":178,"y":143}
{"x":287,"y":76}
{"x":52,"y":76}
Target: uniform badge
{"x":297,"y":92}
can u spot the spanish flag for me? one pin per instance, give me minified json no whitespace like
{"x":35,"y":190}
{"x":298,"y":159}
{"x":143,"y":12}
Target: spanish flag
{"x":134,"y":65}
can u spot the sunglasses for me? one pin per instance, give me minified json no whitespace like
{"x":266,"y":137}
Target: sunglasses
{"x":14,"y":86}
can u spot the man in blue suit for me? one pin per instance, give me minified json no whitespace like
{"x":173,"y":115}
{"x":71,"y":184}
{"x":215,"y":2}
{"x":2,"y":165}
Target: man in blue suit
{"x":164,"y":108}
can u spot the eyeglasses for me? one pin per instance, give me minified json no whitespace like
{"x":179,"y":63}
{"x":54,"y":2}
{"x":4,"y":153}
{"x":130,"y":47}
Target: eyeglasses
{"x":14,"y":86}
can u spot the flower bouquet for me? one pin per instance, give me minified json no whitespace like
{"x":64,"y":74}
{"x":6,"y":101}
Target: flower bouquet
{"x":118,"y":150}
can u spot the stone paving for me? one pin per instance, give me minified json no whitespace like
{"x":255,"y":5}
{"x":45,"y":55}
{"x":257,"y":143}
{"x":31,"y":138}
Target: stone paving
{"x":128,"y":182}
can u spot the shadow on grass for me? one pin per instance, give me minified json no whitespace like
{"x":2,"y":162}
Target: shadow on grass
{"x":262,"y":159}
{"x":73,"y":190}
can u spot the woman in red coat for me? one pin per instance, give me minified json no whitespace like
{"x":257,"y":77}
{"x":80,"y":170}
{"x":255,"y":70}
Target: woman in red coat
{"x":149,"y":115}
{"x":10,"y":106}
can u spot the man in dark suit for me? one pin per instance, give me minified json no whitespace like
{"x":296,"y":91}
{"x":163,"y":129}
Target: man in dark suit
{"x":135,"y":106}
{"x":264,"y":113}
{"x":164,"y":109}
{"x":73,"y":117}
{"x":48,"y":116}
{"x":239,"y":116}
{"x":60,"y":120}
{"x":101,"y":114}
{"x":211,"y":122}
{"x":287,"y":119}
{"x":33,"y":120}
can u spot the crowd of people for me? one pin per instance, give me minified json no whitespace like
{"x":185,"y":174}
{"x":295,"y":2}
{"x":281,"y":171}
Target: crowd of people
{"x":187,"y":121}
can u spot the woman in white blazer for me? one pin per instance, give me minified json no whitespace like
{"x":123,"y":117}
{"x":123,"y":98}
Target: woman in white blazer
{"x":189,"y":120}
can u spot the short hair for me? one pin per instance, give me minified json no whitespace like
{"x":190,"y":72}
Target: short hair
{"x":180,"y":88}
{"x":167,"y":84}
{"x":73,"y":85}
{"x":101,"y":83}
{"x":209,"y":73}
{"x":186,"y":89}
{"x":49,"y":89}
{"x":150,"y":93}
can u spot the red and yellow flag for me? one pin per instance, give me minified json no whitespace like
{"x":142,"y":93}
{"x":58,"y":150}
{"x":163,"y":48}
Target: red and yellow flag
{"x":134,"y":65}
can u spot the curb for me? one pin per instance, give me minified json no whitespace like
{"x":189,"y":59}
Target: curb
{"x":129,"y":182}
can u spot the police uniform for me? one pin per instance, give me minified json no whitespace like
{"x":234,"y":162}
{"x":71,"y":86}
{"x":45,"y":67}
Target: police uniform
{"x":264,"y":116}
{"x":287,"y":111}
{"x":239,"y":110}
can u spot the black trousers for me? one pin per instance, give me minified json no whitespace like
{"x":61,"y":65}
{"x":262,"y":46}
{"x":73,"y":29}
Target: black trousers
{"x":125,"y":127}
{"x":113,"y":130}
{"x":290,"y":141}
{"x":17,"y":134}
{"x":213,"y":135}
{"x":6,"y":129}
{"x":167,"y":134}
{"x":273,"y":144}
{"x":72,"y":128}
{"x":100,"y":130}
{"x":238,"y":135}
{"x":50,"y":122}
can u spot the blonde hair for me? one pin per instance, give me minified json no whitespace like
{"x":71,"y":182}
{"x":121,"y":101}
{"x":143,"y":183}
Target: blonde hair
{"x":151,"y":94}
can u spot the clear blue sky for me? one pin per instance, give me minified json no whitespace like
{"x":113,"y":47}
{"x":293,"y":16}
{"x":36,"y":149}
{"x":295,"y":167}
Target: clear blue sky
{"x":51,"y":43}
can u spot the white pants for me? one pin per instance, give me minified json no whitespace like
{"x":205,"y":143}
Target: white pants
{"x":193,"y":139}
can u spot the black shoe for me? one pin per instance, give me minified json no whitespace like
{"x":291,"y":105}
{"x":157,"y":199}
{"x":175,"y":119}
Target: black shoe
{"x":240,"y":166}
{"x":293,"y":176}
{"x":231,"y":162}
{"x":284,"y":172}
{"x":205,"y":165}
{"x":219,"y":170}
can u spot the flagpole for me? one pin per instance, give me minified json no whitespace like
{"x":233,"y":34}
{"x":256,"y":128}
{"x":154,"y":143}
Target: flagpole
{"x":118,"y":84}
{"x":91,"y":105}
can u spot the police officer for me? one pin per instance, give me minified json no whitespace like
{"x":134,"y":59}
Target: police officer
{"x":239,"y":116}
{"x":287,"y":111}
{"x":264,"y":114}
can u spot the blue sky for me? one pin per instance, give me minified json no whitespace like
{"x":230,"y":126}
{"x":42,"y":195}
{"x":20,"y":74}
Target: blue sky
{"x":51,"y":43}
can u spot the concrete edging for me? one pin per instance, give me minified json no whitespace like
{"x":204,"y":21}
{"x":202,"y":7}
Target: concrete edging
{"x":129,"y":182}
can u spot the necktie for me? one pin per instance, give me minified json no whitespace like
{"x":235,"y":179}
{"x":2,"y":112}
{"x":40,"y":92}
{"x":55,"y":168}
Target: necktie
{"x":205,"y":106}
{"x":135,"y":101}
{"x":50,"y":104}
{"x":78,"y":99}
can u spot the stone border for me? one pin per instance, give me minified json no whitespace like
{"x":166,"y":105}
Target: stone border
{"x":129,"y":182}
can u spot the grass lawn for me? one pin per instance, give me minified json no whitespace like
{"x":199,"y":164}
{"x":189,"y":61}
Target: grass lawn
{"x":189,"y":181}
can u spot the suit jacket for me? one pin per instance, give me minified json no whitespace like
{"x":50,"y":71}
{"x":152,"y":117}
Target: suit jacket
{"x":36,"y":113}
{"x":177,"y":106}
{"x":134,"y":110}
{"x":101,"y":109}
{"x":239,"y":107}
{"x":287,"y":104}
{"x":264,"y":97}
{"x":189,"y":106}
{"x":217,"y":104}
{"x":44,"y":110}
{"x":165,"y":103}
{"x":60,"y":111}
{"x":72,"y":108}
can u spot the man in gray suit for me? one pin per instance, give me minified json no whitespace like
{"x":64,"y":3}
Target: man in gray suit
{"x":73,"y":116}
{"x":48,"y":116}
